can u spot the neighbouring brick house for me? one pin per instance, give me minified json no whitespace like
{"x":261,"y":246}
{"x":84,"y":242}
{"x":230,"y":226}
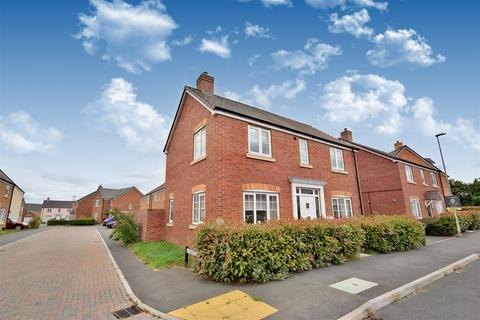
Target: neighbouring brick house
{"x":399,"y":182}
{"x":103,"y":199}
{"x":11,"y":200}
{"x":30,"y":211}
{"x":57,"y":210}
{"x":150,"y":214}
{"x":228,"y":161}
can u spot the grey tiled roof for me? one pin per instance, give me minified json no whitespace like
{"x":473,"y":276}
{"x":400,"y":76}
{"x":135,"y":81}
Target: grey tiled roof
{"x":112,"y":193}
{"x":57,"y":204}
{"x":33,"y":207}
{"x":215,"y":102}
{"x":160,"y":187}
{"x":5,"y":178}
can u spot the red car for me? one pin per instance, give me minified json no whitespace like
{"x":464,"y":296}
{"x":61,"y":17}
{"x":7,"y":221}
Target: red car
{"x":15,"y":225}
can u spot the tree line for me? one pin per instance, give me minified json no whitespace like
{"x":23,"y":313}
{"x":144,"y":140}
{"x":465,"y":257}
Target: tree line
{"x":469,"y":193}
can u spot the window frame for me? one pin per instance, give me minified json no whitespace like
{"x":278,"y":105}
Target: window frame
{"x":6,"y":192}
{"x":199,"y":194}
{"x":422,"y":175}
{"x":260,"y":144}
{"x":268,"y":195}
{"x":439,"y":205}
{"x":408,"y":172}
{"x":203,"y":143}
{"x":414,"y":202}
{"x":97,"y":203}
{"x":130,"y":206}
{"x":334,"y":160}
{"x":171,"y":206}
{"x":434,"y":179}
{"x":344,"y":199}
{"x":300,"y":141}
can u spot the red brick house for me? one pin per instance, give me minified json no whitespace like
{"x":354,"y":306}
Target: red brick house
{"x":103,"y":199}
{"x":151,"y":214}
{"x":399,"y":182}
{"x":228,"y":161}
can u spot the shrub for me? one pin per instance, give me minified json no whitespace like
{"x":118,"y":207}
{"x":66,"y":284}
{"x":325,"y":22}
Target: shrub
{"x":389,"y":234}
{"x":126,"y":228}
{"x":445,"y":225}
{"x":75,"y":222}
{"x":34,"y":223}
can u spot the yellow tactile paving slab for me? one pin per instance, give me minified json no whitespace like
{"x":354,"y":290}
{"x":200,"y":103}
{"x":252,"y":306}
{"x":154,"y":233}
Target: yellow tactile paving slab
{"x":233,"y":305}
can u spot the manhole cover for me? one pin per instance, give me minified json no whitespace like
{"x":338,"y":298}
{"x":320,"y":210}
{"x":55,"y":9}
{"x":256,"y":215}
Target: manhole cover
{"x":354,"y":285}
{"x":127,"y":312}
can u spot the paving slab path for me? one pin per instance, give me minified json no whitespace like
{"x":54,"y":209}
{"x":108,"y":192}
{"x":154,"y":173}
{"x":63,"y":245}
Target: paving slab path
{"x":60,"y":273}
{"x":305,"y":295}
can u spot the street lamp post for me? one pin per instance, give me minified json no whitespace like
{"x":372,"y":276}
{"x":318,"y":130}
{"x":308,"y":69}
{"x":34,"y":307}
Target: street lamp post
{"x":459,"y":231}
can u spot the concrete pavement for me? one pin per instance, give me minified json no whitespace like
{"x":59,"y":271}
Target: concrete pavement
{"x":454,"y":297}
{"x":12,"y":237}
{"x":304,"y":295}
{"x":60,"y":273}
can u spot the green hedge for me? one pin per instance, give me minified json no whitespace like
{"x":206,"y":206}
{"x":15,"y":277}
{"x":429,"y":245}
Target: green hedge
{"x":76,"y":222}
{"x":260,"y":253}
{"x":389,"y":234}
{"x":445,"y":225}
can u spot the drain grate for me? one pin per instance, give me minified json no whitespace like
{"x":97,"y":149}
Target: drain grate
{"x":127,"y":312}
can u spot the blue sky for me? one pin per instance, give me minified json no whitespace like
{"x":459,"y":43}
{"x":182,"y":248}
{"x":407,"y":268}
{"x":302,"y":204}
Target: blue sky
{"x":88,"y":89}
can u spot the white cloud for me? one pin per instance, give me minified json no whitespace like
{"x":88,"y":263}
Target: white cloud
{"x":134,"y":37}
{"x":21,"y":133}
{"x":353,"y":24}
{"x":138,"y":123}
{"x":253,"y":59}
{"x":288,"y":90}
{"x":220,"y":47}
{"x":256,"y":31}
{"x":400,"y":46}
{"x":377,"y":102}
{"x":184,"y":42}
{"x":315,"y":56}
{"x":325,"y":4}
{"x":232,"y":95}
{"x":361,"y":98}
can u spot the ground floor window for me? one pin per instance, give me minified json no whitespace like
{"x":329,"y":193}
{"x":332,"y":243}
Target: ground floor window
{"x":198,"y":214}
{"x":342,"y":207}
{"x":260,"y":207}
{"x":439,"y":206}
{"x":416,"y":210}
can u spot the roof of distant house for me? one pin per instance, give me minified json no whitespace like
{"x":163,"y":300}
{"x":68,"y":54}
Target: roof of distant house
{"x":160,"y":187}
{"x":219,"y":103}
{"x":107,"y":193}
{"x":5,"y":178}
{"x":62,"y":204}
{"x":33,"y":207}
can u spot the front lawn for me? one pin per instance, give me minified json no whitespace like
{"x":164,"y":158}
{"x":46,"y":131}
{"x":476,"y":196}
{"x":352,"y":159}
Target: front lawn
{"x":4,"y":232}
{"x":159,"y":254}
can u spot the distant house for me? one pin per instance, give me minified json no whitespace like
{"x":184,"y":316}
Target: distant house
{"x":30,"y":211}
{"x":154,"y":199}
{"x":97,"y":203}
{"x":151,"y":213}
{"x":400,"y":181}
{"x":11,"y":200}
{"x":57,"y":209}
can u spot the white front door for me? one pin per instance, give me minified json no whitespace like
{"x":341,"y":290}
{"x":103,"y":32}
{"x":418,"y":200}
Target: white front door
{"x":308,"y":208}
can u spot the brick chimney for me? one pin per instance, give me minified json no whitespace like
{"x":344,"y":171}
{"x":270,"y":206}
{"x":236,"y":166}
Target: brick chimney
{"x":346,"y":135}
{"x":206,"y":83}
{"x":398,"y":144}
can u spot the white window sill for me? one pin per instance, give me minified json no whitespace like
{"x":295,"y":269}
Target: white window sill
{"x":170,"y":224}
{"x":309,"y":166}
{"x":425,"y":185}
{"x":194,"y":226}
{"x":198,"y":160}
{"x":338,"y":171}
{"x":436,"y":187}
{"x":259,"y":157}
{"x":412,"y":182}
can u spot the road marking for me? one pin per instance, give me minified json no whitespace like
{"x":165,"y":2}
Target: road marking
{"x":439,"y":241}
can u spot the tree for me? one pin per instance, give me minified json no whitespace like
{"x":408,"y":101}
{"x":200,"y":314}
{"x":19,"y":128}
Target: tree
{"x":469,"y":193}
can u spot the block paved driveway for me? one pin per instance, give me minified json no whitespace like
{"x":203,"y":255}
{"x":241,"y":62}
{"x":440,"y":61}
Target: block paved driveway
{"x":60,"y":273}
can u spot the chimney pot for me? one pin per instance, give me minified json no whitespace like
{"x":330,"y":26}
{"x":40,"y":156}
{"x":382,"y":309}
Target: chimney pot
{"x":346,"y":135}
{"x":206,"y":83}
{"x":398,"y":144}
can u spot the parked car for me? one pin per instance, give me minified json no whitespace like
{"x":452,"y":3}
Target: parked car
{"x":15,"y":225}
{"x":109,"y":222}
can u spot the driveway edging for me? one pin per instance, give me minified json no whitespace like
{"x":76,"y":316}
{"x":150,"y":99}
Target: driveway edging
{"x":394,"y":295}
{"x":129,"y":290}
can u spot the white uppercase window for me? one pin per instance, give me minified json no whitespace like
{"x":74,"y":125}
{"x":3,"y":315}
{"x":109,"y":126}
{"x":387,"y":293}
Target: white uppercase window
{"x":303,"y":151}
{"x":434,"y":179}
{"x":259,"y":141}
{"x":97,"y":203}
{"x":200,"y":143}
{"x":409,"y":173}
{"x":422,"y":175}
{"x":336,"y":157}
{"x":198,"y":208}
{"x":170,"y":211}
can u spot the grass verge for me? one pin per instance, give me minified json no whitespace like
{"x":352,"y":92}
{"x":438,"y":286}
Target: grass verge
{"x":159,"y":254}
{"x":4,"y":232}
